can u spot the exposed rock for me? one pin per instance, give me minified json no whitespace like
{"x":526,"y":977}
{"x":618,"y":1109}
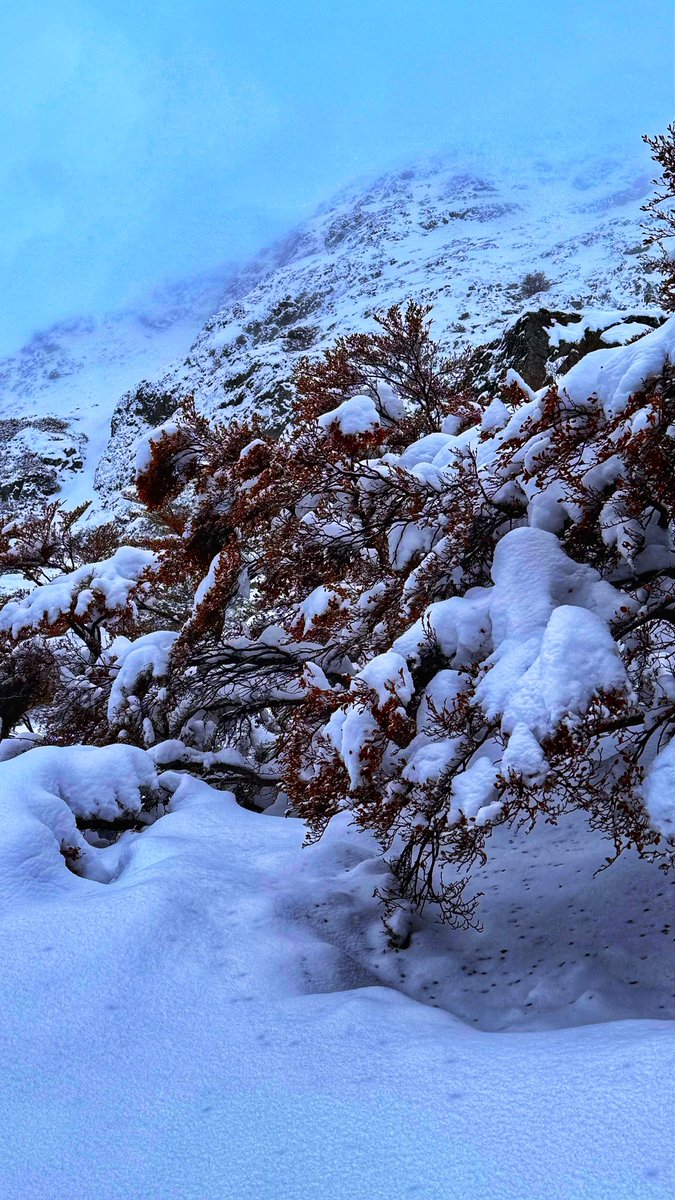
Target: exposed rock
{"x":537,"y":347}
{"x":58,"y":390}
{"x":35,"y":454}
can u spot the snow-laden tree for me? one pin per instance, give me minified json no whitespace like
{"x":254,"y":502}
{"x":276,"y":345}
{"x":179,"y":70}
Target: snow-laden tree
{"x":440,"y":611}
{"x":79,"y":589}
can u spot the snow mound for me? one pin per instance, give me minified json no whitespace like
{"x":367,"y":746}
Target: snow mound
{"x":359,"y":414}
{"x":613,"y":376}
{"x":546,"y":620}
{"x":163,"y":1034}
{"x":659,"y":790}
{"x":147,"y":657}
{"x":43,"y":794}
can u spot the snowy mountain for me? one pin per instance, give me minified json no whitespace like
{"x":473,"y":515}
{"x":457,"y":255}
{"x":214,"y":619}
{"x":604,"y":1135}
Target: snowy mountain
{"x":479,"y":242}
{"x":58,"y":390}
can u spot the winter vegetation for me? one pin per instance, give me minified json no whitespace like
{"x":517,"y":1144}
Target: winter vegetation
{"x":427,"y":628}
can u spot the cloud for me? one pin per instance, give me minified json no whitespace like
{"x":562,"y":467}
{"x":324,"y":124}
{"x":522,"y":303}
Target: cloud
{"x":140,"y":140}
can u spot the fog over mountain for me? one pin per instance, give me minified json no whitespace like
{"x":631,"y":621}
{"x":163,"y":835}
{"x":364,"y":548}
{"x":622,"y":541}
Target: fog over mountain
{"x":141,"y":142}
{"x":461,"y":232}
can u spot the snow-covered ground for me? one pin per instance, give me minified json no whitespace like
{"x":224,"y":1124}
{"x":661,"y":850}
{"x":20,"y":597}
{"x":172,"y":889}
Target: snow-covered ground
{"x":223,"y":1019}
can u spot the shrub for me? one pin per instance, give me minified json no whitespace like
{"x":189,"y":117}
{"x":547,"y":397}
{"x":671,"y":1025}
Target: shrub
{"x":533,"y":283}
{"x":441,"y":612}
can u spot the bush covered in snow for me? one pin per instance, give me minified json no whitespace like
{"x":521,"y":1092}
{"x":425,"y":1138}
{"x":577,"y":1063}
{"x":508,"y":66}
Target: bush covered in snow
{"x":440,"y":610}
{"x":533,"y":283}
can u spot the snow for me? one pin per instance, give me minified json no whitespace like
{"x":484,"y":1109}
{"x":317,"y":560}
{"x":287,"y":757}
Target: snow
{"x":474,"y":792}
{"x":459,"y":626}
{"x":427,"y":763}
{"x":427,"y":759}
{"x":514,"y":378}
{"x":146,"y":657}
{"x":351,"y":731}
{"x":616,"y":375}
{"x":314,"y":677}
{"x":441,"y":693}
{"x":145,"y":444}
{"x":496,"y":414}
{"x":78,"y":370}
{"x":110,"y":581}
{"x":317,"y":604}
{"x":388,"y":675}
{"x":659,"y":791}
{"x":424,"y":450}
{"x":42,"y":792}
{"x":222,"y":1020}
{"x":624,"y":332}
{"x":524,"y":756}
{"x":358,"y":414}
{"x":375,"y":245}
{"x":391,"y":404}
{"x":207,"y":583}
{"x":546,"y":617}
{"x":577,"y":660}
{"x":592,"y":319}
{"x":406,"y":539}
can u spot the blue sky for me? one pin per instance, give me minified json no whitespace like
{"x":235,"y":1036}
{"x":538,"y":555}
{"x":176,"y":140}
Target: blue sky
{"x":155,"y":138}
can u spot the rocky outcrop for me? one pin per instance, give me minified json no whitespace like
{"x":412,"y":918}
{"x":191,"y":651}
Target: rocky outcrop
{"x":543,"y":344}
{"x":36,"y":454}
{"x":58,"y":390}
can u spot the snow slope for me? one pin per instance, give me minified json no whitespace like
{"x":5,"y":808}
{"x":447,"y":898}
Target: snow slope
{"x":58,"y":391}
{"x":459,"y":234}
{"x":214,"y":1022}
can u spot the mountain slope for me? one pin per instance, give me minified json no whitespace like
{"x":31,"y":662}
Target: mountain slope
{"x":58,"y":390}
{"x":479,"y":244}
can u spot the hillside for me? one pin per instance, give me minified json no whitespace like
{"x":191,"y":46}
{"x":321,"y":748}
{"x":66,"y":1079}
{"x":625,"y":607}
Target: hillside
{"x":57,"y":391}
{"x":463,"y":238}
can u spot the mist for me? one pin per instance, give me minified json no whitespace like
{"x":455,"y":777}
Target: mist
{"x":141,"y":141}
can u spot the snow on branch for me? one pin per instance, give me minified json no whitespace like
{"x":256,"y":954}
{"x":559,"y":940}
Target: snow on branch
{"x":89,"y":592}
